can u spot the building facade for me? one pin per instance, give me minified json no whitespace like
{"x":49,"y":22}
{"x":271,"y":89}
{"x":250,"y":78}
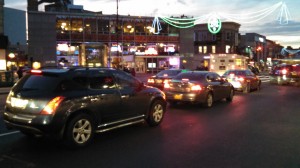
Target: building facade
{"x":197,"y":43}
{"x":78,"y":37}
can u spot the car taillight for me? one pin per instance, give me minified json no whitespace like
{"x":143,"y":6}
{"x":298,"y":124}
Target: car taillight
{"x":284,"y":71}
{"x":52,"y":105}
{"x":150,"y":81}
{"x":166,"y":84}
{"x":196,"y":88}
{"x":35,"y":71}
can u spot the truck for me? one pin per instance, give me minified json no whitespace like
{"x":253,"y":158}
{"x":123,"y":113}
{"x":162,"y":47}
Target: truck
{"x":220,"y":63}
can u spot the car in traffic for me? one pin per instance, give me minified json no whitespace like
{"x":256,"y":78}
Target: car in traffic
{"x":163,"y":76}
{"x":198,"y":87}
{"x":75,"y":103}
{"x":285,"y":74}
{"x":243,"y":80}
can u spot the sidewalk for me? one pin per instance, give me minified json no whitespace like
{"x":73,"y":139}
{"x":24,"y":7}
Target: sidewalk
{"x":4,"y":90}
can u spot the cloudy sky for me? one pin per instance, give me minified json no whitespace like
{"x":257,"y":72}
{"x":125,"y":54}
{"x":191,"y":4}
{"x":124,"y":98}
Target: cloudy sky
{"x":262,"y":15}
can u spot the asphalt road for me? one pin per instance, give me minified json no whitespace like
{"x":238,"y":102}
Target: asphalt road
{"x":256,"y":130}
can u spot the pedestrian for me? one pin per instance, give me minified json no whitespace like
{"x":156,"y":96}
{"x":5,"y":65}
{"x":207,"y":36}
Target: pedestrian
{"x":132,"y":71}
{"x":20,"y":72}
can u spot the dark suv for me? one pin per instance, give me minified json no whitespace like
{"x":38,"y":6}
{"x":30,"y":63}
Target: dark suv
{"x":285,"y":74}
{"x":75,"y":103}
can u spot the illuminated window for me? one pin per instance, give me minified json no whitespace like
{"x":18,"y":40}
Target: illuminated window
{"x":200,"y":49}
{"x":213,"y":49}
{"x":204,"y":49}
{"x":227,"y":49}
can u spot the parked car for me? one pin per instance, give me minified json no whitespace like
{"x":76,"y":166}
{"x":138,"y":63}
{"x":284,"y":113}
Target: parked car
{"x":75,"y":103}
{"x":285,"y":74}
{"x":198,"y":87}
{"x":163,"y":76}
{"x":243,"y":80}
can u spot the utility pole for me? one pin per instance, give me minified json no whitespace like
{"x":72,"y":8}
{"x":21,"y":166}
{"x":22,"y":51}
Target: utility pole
{"x":117,"y":31}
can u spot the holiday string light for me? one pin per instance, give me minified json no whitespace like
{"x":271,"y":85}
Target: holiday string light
{"x":285,"y":50}
{"x":283,"y":18}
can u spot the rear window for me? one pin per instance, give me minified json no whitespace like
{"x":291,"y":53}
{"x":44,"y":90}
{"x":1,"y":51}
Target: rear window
{"x":38,"y":82}
{"x":168,"y":73}
{"x":191,"y":76}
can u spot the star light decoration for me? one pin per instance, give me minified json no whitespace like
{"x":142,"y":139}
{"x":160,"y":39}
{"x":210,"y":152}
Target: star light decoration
{"x":214,"y":19}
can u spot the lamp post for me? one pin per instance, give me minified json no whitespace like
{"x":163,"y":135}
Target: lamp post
{"x":11,"y":56}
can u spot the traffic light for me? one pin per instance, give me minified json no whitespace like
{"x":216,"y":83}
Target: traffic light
{"x":259,"y":48}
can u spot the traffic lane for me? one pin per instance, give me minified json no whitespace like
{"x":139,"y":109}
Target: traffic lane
{"x":237,"y":134}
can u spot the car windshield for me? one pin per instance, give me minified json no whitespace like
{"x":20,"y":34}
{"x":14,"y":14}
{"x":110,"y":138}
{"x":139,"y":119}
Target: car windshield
{"x":168,"y":73}
{"x":243,"y":73}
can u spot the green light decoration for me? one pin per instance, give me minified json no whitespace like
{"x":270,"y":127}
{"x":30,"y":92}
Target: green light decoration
{"x":214,"y":22}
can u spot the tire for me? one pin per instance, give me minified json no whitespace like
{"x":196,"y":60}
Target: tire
{"x":79,"y":131}
{"x":230,"y":97}
{"x":209,"y":100}
{"x":156,"y":113}
{"x":247,"y":88}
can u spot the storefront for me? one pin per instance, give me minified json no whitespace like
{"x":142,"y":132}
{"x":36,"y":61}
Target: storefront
{"x":154,"y":64}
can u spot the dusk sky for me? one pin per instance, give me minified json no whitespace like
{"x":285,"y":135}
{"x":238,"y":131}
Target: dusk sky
{"x":255,"y":16}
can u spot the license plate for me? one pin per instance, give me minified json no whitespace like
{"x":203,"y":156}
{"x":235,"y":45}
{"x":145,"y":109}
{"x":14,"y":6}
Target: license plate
{"x":20,"y":103}
{"x":178,"y":96}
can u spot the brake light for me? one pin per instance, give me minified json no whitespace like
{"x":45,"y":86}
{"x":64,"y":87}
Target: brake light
{"x":196,"y":88}
{"x":52,"y":105}
{"x":150,"y":80}
{"x":184,"y":80}
{"x":284,"y":71}
{"x":166,"y":84}
{"x":35,"y":71}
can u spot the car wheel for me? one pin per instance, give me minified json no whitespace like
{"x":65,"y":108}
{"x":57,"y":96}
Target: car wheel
{"x":247,"y":88}
{"x":209,"y":100}
{"x":157,"y":112}
{"x":230,"y":97}
{"x":79,"y":131}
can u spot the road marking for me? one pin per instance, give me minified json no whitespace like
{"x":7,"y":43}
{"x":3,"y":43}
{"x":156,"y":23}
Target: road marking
{"x":9,"y":133}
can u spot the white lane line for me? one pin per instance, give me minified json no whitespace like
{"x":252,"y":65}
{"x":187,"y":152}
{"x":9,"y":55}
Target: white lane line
{"x":9,"y":133}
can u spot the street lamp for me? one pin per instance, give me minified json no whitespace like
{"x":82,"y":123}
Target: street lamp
{"x":11,"y":56}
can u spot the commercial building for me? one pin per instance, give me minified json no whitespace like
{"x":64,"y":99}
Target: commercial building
{"x":197,"y":43}
{"x":70,"y":35}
